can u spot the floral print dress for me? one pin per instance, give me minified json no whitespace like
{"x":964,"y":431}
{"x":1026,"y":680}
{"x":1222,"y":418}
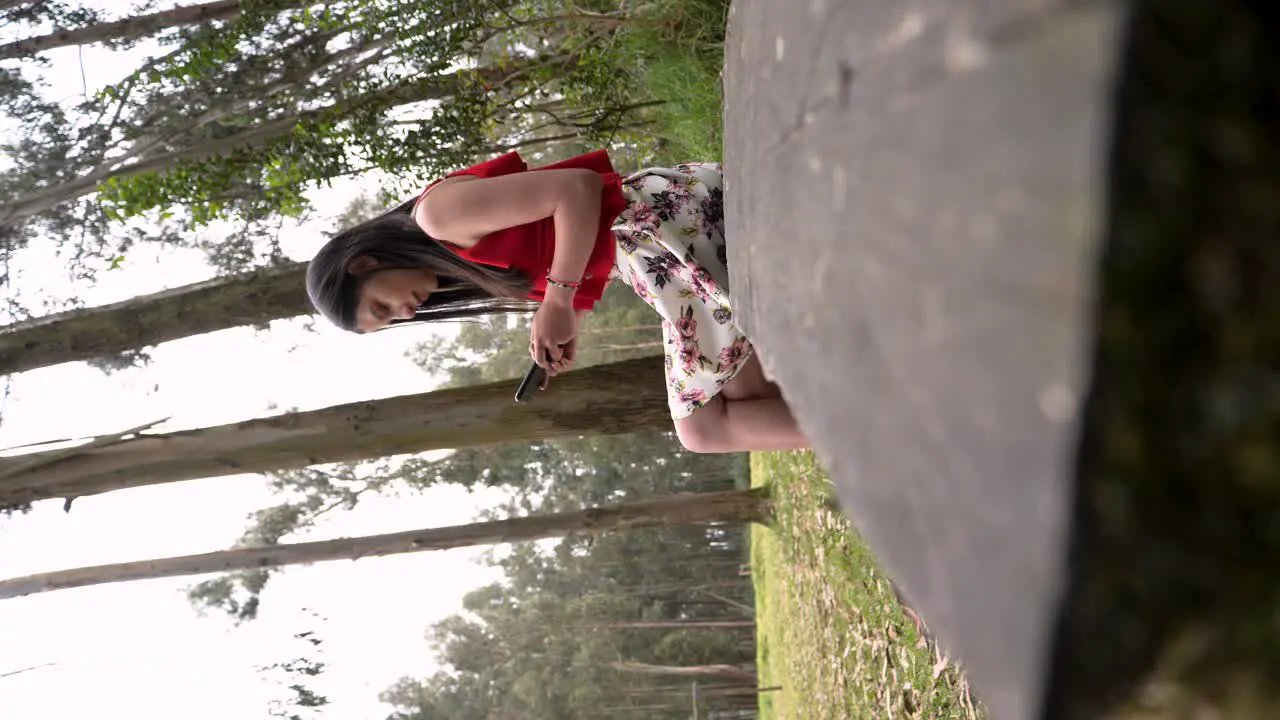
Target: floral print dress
{"x":671,"y":252}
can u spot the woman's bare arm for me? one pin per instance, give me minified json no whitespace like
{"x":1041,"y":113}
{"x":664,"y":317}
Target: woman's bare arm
{"x":464,"y":209}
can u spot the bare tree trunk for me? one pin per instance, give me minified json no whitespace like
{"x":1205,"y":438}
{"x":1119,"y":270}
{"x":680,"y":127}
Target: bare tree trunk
{"x":676,"y":624}
{"x":47,"y":198}
{"x":28,"y":669}
{"x":617,"y":398}
{"x":131,"y":27}
{"x":605,"y":330}
{"x":731,"y":690}
{"x":248,"y":299}
{"x":722,"y":671}
{"x":737,"y":506}
{"x":745,"y":608}
{"x":635,"y":346}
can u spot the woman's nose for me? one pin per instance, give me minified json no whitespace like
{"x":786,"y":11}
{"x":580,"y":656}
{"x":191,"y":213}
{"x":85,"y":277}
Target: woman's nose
{"x":406,"y":311}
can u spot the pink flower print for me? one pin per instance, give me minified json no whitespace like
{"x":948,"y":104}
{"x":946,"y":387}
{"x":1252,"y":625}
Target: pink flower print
{"x":686,"y":326}
{"x":733,"y":354}
{"x":642,"y":214}
{"x":695,"y":397}
{"x":690,"y":358}
{"x":640,"y":287}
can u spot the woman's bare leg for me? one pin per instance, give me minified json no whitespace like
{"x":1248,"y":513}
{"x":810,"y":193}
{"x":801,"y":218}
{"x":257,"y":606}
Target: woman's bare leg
{"x":750,"y":383}
{"x":748,"y":414}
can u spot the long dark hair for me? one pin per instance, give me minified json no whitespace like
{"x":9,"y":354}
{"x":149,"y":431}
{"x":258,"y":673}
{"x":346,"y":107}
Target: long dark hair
{"x":396,"y":241}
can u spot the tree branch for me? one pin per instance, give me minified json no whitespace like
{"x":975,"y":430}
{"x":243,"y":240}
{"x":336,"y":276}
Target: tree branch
{"x":115,"y":30}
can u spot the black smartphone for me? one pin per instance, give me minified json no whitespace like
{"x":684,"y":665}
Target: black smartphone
{"x":531,"y":383}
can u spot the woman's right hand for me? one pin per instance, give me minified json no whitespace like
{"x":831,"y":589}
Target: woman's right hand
{"x":553,"y":336}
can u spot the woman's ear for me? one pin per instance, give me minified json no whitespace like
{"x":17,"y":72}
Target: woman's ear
{"x":361,"y":264}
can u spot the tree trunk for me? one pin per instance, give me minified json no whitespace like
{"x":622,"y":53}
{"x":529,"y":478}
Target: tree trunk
{"x":607,"y":329}
{"x":50,"y":197}
{"x":695,"y":671}
{"x":749,"y":610}
{"x":623,"y":348}
{"x":608,"y":399}
{"x":676,"y":625}
{"x":132,"y":28}
{"x":248,"y":299}
{"x":738,"y":506}
{"x":732,"y":690}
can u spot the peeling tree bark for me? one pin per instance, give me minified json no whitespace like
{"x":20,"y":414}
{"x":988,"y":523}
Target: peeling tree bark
{"x":735,"y":506}
{"x":605,"y":399}
{"x":248,"y":299}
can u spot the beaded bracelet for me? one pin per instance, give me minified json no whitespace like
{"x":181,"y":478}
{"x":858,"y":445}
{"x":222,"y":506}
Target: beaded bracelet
{"x":565,"y":285}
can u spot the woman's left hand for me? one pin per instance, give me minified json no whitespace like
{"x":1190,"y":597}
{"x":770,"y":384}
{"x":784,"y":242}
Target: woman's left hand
{"x":553,"y":337}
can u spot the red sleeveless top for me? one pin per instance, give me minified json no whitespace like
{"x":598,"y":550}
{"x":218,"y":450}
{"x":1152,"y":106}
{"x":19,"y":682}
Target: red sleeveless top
{"x":529,"y":248}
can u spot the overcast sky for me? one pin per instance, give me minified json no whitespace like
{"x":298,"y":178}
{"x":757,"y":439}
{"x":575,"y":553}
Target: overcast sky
{"x":138,"y":650}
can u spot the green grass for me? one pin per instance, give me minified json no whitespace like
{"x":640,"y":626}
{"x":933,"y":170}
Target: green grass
{"x":675,"y":55}
{"x":831,"y":632}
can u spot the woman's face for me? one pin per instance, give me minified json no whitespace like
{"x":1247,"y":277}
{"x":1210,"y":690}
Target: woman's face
{"x":390,"y":294}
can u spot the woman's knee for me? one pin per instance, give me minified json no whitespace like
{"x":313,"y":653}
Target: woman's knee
{"x":750,"y":383}
{"x":703,"y":431}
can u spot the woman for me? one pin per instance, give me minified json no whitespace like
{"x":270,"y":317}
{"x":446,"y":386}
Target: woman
{"x":496,"y":236}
